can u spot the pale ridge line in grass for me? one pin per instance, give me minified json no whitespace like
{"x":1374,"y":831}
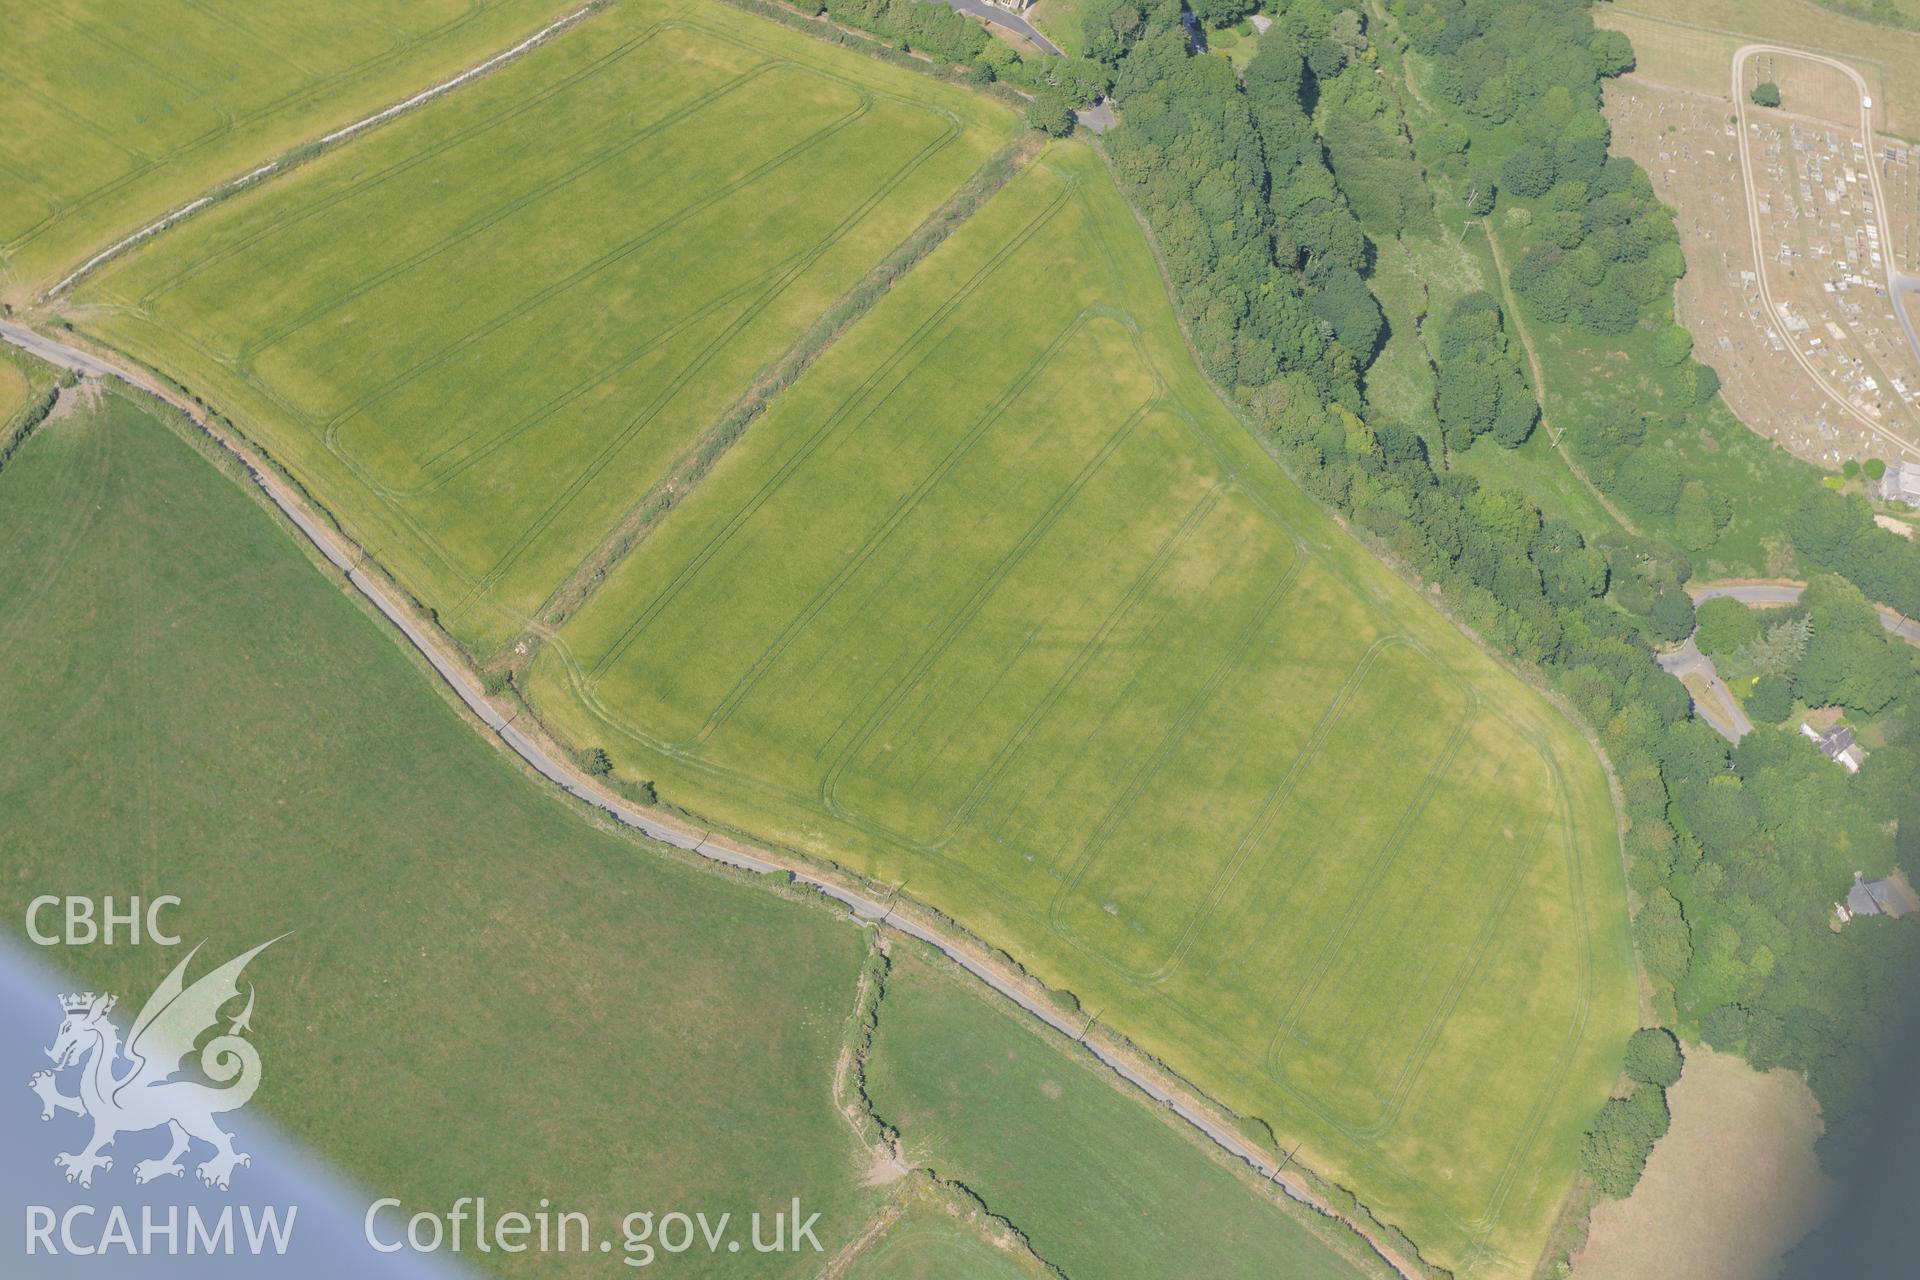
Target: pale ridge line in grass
{"x":998,"y":972}
{"x":832,"y":324}
{"x":287,"y":158}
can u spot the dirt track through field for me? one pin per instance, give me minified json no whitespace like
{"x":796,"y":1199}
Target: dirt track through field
{"x":1540,"y":388}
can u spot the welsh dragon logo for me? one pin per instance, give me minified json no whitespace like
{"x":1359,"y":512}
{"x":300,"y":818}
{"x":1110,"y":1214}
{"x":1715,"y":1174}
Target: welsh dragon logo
{"x":143,"y":1094}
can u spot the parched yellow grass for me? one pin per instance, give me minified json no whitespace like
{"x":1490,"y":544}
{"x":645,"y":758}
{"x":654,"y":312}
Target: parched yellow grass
{"x":1811,"y":89}
{"x":117,"y":112}
{"x":497,"y":321}
{"x":1728,"y":1191}
{"x":1689,"y":44}
{"x":1019,"y":616}
{"x":1670,"y":53}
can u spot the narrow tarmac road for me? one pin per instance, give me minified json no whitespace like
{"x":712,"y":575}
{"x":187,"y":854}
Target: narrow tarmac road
{"x":1785,"y":591}
{"x":1720,"y":709}
{"x":1206,"y":1117}
{"x":989,"y":12}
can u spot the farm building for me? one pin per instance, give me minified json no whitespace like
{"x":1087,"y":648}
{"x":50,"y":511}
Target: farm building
{"x":1837,"y":745}
{"x":1901,"y":483}
{"x":1892,"y":896}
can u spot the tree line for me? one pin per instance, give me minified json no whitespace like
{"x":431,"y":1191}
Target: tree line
{"x":1263,"y":192}
{"x":949,"y":36}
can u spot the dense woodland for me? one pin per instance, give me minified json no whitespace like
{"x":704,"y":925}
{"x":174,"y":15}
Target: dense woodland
{"x":1266,"y":193}
{"x":1267,"y":190}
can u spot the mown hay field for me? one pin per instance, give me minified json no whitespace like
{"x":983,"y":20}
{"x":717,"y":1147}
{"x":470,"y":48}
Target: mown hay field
{"x":118,"y":112}
{"x":1735,"y":1185}
{"x":1000,"y":605}
{"x":482,"y":332}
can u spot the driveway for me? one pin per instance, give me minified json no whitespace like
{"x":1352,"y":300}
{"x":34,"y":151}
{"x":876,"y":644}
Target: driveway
{"x":1719,"y":708}
{"x":1099,"y":117}
{"x":1011,"y":21}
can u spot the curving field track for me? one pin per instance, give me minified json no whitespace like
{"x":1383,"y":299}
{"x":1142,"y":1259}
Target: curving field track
{"x":1015,"y":618}
{"x":997,"y":604}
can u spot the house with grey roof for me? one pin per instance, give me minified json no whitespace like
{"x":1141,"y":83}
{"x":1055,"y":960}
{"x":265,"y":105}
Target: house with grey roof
{"x":1837,"y":745}
{"x":1901,"y":483}
{"x":1891,"y":896}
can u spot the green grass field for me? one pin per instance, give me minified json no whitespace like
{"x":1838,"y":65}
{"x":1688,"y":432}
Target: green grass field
{"x":1048,"y":1138}
{"x":14,"y":390}
{"x":1016,"y":616}
{"x":997,"y":602}
{"x":1059,"y":21}
{"x":938,"y":1236}
{"x":198,"y":91}
{"x":483,"y":991}
{"x":24,"y":386}
{"x":493,"y":324}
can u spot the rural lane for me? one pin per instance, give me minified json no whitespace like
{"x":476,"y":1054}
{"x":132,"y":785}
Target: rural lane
{"x":990,"y":12}
{"x":1785,"y":591}
{"x":1722,"y":713}
{"x":1896,"y":283}
{"x":1098,"y":118}
{"x":1203,"y":1117}
{"x":58,"y":353}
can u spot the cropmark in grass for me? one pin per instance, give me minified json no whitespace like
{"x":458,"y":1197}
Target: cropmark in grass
{"x":998,"y":604}
{"x":493,"y":323}
{"x":119,"y":113}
